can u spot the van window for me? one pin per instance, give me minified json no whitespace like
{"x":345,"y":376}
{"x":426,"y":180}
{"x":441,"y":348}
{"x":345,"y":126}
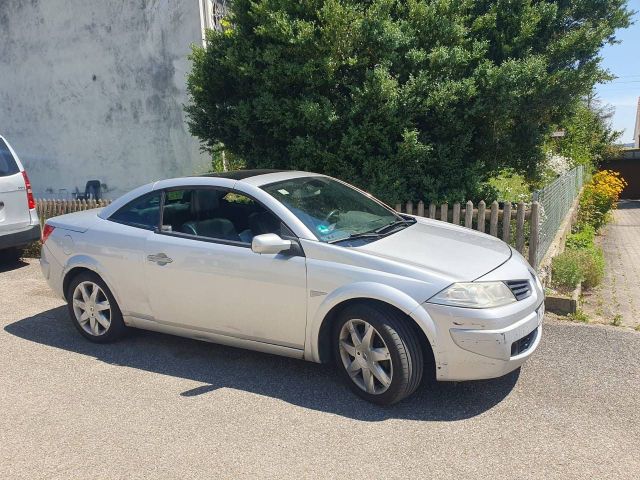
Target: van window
{"x":8,"y":165}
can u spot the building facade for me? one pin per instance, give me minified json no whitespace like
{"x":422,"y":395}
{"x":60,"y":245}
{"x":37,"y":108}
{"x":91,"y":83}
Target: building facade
{"x":95,"y":90}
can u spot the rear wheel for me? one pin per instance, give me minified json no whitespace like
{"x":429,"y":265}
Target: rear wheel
{"x":377,"y":353}
{"x":94,"y":310}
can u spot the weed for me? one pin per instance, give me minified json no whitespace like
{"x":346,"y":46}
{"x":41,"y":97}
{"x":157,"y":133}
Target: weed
{"x":617,"y":320}
{"x":579,"y":316}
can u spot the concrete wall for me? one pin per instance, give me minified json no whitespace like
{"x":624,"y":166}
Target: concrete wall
{"x":95,"y":89}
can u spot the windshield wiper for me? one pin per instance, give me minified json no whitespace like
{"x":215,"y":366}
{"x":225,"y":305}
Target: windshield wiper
{"x":390,"y":226}
{"x":356,"y":236}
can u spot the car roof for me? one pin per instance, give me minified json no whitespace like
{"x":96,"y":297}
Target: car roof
{"x":260,"y":177}
{"x":241,"y":174}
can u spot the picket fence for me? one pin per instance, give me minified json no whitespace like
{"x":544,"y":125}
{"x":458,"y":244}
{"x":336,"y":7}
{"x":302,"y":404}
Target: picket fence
{"x":516,"y":224}
{"x":52,"y":208}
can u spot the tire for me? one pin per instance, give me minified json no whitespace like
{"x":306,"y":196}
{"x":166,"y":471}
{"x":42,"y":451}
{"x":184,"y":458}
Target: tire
{"x":97,"y":326}
{"x":393,"y":374}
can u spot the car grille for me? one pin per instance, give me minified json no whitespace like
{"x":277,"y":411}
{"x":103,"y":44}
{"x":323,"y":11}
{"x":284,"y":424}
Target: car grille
{"x":521,"y":289}
{"x":522,"y":345}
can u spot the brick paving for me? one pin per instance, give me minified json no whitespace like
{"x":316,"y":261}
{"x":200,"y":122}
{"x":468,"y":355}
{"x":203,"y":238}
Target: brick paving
{"x":617,"y":299}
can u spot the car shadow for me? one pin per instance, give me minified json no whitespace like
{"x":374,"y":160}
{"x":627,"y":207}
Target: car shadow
{"x":298,"y":382}
{"x":9,"y":264}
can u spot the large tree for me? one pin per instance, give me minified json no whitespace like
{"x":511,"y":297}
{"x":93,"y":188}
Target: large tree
{"x":407,"y":99}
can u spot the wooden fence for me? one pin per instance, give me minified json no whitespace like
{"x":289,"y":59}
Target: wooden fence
{"x":517,"y":224}
{"x":52,"y":208}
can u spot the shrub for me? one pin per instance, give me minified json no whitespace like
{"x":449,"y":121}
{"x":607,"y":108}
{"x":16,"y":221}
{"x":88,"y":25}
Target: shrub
{"x":583,"y":238}
{"x":566,"y":271}
{"x":584,"y":265}
{"x":600,"y":196}
{"x":592,"y":264}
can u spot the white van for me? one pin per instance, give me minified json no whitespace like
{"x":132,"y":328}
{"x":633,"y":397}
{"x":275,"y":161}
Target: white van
{"x":19,"y":224}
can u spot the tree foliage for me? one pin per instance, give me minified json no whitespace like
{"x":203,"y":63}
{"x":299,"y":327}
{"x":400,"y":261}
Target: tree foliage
{"x":589,"y":137}
{"x":407,"y":99}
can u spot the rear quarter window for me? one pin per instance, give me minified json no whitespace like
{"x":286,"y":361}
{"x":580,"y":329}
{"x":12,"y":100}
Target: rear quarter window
{"x":143,"y":212}
{"x":8,"y":165}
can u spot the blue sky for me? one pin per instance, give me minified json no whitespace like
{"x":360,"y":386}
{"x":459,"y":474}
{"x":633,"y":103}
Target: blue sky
{"x":623,"y":60}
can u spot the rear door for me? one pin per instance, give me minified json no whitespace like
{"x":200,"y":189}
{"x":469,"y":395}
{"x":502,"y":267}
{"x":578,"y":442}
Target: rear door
{"x":14,"y":207}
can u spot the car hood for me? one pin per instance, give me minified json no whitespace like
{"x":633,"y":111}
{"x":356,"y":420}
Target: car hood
{"x":442,"y":248}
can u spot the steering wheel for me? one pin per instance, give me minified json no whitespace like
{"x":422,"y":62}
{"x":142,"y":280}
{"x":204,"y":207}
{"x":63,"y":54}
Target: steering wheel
{"x":331,"y":214}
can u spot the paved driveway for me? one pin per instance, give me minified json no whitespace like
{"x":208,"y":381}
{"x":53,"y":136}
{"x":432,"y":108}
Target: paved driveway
{"x":618,"y":293}
{"x":155,"y":406}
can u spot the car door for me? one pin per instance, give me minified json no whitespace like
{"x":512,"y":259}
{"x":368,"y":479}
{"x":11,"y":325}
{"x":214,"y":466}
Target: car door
{"x":202,"y":274}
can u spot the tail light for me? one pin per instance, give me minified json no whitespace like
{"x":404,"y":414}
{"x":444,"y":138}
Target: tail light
{"x":27,"y":184}
{"x":46,"y":231}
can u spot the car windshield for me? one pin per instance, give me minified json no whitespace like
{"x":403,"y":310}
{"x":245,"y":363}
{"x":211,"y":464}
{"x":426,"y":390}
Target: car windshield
{"x":332,"y":210}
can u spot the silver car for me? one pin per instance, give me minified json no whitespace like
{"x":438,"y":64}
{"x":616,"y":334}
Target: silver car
{"x":302,"y":265}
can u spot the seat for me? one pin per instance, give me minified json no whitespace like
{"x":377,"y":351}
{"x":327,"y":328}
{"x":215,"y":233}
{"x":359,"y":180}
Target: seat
{"x":205,"y":205}
{"x":213,"y":228}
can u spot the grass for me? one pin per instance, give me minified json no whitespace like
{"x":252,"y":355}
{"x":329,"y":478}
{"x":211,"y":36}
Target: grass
{"x":617,"y":320}
{"x":579,"y":316}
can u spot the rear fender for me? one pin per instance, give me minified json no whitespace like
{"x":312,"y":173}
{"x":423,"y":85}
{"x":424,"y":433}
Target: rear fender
{"x":90,"y":263}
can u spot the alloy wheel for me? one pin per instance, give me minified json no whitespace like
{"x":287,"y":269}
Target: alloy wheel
{"x":91,"y":308}
{"x":365,"y":356}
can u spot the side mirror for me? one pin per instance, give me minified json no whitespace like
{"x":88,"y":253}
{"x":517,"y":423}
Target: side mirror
{"x":269,"y":243}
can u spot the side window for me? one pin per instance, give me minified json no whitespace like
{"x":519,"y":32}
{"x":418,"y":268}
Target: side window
{"x":8,"y":165}
{"x":216,"y":214}
{"x":143,"y":212}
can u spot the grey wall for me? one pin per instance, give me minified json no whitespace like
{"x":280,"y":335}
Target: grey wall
{"x":94,"y":90}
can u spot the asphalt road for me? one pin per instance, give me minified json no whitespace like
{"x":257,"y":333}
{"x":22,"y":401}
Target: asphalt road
{"x":155,"y":406}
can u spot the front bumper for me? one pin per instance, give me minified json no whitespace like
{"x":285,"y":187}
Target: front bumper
{"x":472,"y":345}
{"x":20,"y":238}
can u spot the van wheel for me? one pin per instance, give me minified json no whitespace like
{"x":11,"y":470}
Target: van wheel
{"x":377,"y":353}
{"x":94,"y":310}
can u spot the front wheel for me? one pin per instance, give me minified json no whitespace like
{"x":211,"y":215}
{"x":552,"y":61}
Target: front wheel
{"x":377,"y":353}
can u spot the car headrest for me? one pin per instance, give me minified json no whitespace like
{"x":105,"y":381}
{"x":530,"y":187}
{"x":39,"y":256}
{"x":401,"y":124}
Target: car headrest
{"x":205,"y":201}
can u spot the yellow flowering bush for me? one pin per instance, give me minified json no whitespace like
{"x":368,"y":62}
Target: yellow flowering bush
{"x":600,"y":196}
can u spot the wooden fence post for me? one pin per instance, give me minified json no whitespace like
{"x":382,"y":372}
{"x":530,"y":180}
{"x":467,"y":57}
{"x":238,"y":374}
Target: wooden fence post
{"x":421,"y":208}
{"x":506,"y":222}
{"x":520,"y":227}
{"x":444,"y":212}
{"x":534,"y":236}
{"x":456,"y":213}
{"x":410,"y":207}
{"x":432,"y":210}
{"x":399,"y":207}
{"x":493,"y":221}
{"x":482,"y":218}
{"x":468,"y":215}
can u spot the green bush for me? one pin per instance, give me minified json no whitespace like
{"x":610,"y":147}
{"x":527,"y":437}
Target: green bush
{"x":566,"y":271}
{"x":408,"y":100}
{"x":584,"y":265}
{"x":583,"y":238}
{"x":592,"y":264}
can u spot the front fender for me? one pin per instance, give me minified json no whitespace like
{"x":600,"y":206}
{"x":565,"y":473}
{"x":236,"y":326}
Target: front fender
{"x":365,"y":291}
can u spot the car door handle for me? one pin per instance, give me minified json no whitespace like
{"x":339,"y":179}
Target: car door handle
{"x":159,"y":258}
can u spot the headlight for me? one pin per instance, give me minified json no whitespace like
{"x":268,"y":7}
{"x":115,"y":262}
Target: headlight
{"x":475,"y":295}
